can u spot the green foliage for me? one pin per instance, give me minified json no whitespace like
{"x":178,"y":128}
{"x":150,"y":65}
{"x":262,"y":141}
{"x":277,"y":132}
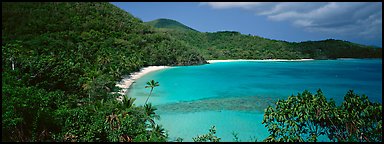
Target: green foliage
{"x":151,"y":84}
{"x":235,"y":137}
{"x":357,"y":119}
{"x":331,"y":49}
{"x":28,"y":112}
{"x":169,"y":24}
{"x":233,"y":45}
{"x":298,"y":118}
{"x":305,"y":117}
{"x":210,"y":137}
{"x":150,"y":114}
{"x":253,"y":139}
{"x":179,"y":139}
{"x":60,"y":63}
{"x":91,"y":47}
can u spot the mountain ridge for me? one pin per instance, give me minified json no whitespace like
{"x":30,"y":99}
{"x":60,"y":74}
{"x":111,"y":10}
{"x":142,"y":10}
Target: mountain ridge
{"x":169,"y":24}
{"x":234,"y":45}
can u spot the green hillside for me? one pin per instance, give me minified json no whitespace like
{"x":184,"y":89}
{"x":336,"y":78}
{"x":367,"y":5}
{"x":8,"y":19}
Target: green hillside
{"x":169,"y":25}
{"x":234,"y":45}
{"x":60,"y":63}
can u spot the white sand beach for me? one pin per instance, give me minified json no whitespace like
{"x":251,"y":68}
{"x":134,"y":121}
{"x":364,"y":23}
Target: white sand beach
{"x":126,"y":82}
{"x":265,"y":60}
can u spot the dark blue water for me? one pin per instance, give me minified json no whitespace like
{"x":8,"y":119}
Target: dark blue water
{"x":233,"y":95}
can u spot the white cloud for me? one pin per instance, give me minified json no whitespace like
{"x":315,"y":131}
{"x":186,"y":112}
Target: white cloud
{"x":346,"y":18}
{"x":303,"y":22}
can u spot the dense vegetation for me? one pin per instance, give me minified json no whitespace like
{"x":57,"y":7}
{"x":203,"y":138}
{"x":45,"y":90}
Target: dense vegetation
{"x":305,"y":117}
{"x":169,"y":24}
{"x":61,"y":61}
{"x":210,"y":137}
{"x":234,"y":45}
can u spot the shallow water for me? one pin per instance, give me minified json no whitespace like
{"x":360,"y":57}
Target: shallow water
{"x":233,"y":95}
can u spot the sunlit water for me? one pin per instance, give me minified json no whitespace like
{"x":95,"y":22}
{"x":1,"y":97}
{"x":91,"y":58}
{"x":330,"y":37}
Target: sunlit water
{"x":233,"y":95}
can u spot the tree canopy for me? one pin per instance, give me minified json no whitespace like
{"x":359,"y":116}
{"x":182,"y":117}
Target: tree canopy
{"x":234,"y":45}
{"x":60,"y":64}
{"x":305,"y":117}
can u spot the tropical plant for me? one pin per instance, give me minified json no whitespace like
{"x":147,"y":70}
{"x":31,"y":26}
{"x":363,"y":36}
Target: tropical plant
{"x":305,"y":117}
{"x":129,"y":102}
{"x":113,"y":121}
{"x":357,"y":119}
{"x":151,"y":84}
{"x":150,"y":114}
{"x":159,"y":130}
{"x":210,"y":137}
{"x":60,"y":64}
{"x":178,"y":139}
{"x":235,"y":137}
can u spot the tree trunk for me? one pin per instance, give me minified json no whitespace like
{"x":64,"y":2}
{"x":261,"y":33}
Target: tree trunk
{"x":148,"y":96}
{"x":13,"y":63}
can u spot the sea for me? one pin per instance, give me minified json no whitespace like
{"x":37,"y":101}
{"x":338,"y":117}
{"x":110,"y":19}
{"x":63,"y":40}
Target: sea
{"x":232,"y":96}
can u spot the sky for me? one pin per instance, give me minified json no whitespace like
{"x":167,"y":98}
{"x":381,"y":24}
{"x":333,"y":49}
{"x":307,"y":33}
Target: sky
{"x":358,"y":22}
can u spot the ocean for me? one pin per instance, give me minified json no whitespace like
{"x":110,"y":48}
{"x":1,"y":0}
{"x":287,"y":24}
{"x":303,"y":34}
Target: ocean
{"x":232,"y":96}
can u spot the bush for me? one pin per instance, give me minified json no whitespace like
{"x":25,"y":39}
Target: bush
{"x":305,"y":117}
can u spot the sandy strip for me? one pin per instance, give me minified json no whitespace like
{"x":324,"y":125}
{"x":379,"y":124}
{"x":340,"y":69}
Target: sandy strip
{"x":264,"y":60}
{"x":126,"y":82}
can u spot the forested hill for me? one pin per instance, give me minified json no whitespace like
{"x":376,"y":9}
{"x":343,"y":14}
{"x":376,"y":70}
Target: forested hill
{"x":59,"y":44}
{"x":61,"y":61}
{"x":234,"y":45}
{"x":170,"y":25}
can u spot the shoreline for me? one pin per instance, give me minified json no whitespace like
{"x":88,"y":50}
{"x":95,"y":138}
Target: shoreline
{"x":264,"y":60}
{"x":127,"y":81}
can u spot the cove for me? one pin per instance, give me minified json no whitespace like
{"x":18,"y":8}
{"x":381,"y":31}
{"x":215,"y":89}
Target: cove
{"x":233,"y":95}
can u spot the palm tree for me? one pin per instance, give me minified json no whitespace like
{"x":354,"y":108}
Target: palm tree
{"x":128,"y":102}
{"x":150,"y":114}
{"x":159,"y":130}
{"x":151,"y":84}
{"x":113,"y":121}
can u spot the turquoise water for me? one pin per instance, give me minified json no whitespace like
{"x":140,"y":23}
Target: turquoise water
{"x":233,"y":95}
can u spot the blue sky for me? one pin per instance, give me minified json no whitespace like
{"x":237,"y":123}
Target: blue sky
{"x":289,"y":21}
